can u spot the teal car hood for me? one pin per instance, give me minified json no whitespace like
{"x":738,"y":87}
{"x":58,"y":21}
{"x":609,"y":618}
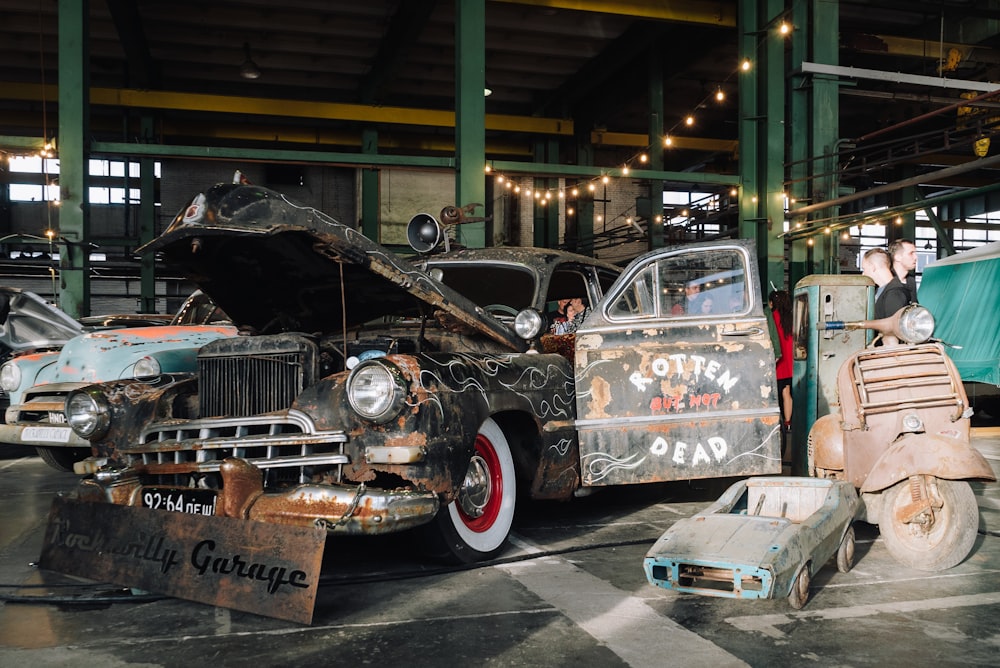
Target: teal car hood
{"x":111,"y":354}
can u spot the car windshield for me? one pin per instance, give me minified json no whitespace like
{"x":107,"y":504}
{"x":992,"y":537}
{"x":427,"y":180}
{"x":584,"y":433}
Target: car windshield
{"x":487,"y":284}
{"x":198,"y":309}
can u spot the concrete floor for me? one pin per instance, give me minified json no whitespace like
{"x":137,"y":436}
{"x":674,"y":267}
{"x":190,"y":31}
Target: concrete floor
{"x":577,"y":598}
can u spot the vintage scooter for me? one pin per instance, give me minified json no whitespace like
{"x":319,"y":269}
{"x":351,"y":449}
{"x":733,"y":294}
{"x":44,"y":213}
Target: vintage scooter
{"x":901,"y":435}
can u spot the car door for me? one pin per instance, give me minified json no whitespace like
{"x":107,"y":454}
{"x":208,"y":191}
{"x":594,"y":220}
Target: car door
{"x":675,"y":371}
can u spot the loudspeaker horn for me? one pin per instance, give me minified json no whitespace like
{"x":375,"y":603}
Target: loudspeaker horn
{"x":424,"y":233}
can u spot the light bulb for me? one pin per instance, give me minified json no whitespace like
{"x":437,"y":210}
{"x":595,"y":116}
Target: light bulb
{"x":689,"y":120}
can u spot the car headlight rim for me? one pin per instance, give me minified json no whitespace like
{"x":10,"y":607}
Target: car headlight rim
{"x":377,"y":390}
{"x":87,"y":414}
{"x":10,"y":377}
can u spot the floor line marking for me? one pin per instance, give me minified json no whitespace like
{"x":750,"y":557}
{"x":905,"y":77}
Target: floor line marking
{"x":623,"y":623}
{"x":767,"y":624}
{"x":14,"y":462}
{"x":938,"y":576}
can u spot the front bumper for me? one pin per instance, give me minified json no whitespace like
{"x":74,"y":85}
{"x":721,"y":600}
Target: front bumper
{"x":710,"y":578}
{"x":338,"y":508}
{"x":41,"y":435}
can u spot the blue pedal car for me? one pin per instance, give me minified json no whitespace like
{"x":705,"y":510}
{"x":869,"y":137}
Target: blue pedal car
{"x":764,"y":538}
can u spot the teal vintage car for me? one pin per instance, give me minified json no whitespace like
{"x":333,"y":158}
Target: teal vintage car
{"x":38,"y":382}
{"x":764,"y":538}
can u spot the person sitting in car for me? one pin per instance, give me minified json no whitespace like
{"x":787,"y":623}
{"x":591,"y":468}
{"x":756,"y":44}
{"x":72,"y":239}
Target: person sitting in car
{"x":569,"y":316}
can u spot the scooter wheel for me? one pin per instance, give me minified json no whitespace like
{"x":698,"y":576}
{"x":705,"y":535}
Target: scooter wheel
{"x":939,"y":541}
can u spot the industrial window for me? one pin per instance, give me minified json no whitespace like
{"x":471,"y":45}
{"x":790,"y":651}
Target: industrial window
{"x":35,"y":179}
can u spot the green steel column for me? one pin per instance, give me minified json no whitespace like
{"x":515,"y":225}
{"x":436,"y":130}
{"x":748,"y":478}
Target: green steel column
{"x":147,"y":223}
{"x":585,"y":203}
{"x":825,"y":128}
{"x":770,"y":246}
{"x":470,"y":114}
{"x":74,"y":209}
{"x":750,"y":204}
{"x":370,"y":188}
{"x":799,"y":125}
{"x":655,"y":224}
{"x":908,"y":228}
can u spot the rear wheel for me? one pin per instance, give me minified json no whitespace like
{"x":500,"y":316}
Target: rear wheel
{"x":936,"y":538}
{"x":62,"y":459}
{"x":476,"y":525}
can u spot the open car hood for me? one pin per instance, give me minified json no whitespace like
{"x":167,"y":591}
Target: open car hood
{"x":273,"y":265}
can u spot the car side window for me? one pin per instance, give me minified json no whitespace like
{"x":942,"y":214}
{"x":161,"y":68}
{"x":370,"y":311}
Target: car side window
{"x":703,"y":283}
{"x":637,"y":300}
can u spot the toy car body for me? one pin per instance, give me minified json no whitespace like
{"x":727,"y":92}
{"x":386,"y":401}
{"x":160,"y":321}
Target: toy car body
{"x":38,"y":382}
{"x":764,"y":538}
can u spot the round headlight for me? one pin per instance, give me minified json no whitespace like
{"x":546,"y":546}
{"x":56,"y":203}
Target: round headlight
{"x":916,"y":324}
{"x":376,"y":390}
{"x":528,"y":323}
{"x":147,"y":367}
{"x":10,"y":376}
{"x":88,"y":414}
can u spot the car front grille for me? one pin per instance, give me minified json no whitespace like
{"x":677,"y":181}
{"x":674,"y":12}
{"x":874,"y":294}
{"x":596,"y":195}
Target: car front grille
{"x":254,"y":375}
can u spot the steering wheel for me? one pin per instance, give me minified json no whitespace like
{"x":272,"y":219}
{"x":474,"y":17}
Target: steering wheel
{"x":500,"y":309}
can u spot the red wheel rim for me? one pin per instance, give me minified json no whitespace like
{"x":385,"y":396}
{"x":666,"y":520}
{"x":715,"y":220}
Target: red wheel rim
{"x":492,"y":508}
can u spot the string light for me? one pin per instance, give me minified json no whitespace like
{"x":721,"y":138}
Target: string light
{"x":784,"y":28}
{"x":687,"y":120}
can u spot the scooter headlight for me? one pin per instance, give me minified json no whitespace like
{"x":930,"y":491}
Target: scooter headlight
{"x":10,"y":376}
{"x":916,"y":324}
{"x":88,"y":414}
{"x":376,"y":390}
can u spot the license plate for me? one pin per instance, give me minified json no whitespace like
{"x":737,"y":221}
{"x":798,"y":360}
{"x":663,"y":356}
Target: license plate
{"x":191,"y":501}
{"x":47,"y":434}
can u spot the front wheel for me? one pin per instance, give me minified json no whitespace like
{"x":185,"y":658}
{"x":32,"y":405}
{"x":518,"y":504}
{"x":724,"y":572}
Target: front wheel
{"x":476,"y":525}
{"x":799,"y":594}
{"x":62,"y":459}
{"x":940,"y":536}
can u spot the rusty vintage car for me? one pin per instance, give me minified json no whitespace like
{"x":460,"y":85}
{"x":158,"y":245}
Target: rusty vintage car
{"x":372,"y":393}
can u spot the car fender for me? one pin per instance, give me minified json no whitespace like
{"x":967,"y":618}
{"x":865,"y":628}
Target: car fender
{"x":927,"y":454}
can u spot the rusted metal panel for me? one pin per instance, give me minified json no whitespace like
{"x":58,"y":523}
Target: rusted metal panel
{"x":677,"y":409}
{"x":266,"y":569}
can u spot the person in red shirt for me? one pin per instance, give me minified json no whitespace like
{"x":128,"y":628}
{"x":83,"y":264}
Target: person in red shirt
{"x":780,"y":304}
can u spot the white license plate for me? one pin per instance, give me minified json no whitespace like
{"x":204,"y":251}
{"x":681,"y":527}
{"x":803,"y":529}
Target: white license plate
{"x":47,"y":434}
{"x":192,"y":501}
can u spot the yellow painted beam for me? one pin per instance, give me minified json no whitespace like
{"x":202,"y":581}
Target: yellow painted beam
{"x":145,"y":99}
{"x":683,"y":11}
{"x":604,"y":138}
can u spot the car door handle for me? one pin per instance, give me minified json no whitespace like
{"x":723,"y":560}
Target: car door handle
{"x":753,"y":331}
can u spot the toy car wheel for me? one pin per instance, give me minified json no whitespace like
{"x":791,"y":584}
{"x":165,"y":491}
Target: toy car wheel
{"x":800,"y":588}
{"x":476,"y":525}
{"x":845,"y":553}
